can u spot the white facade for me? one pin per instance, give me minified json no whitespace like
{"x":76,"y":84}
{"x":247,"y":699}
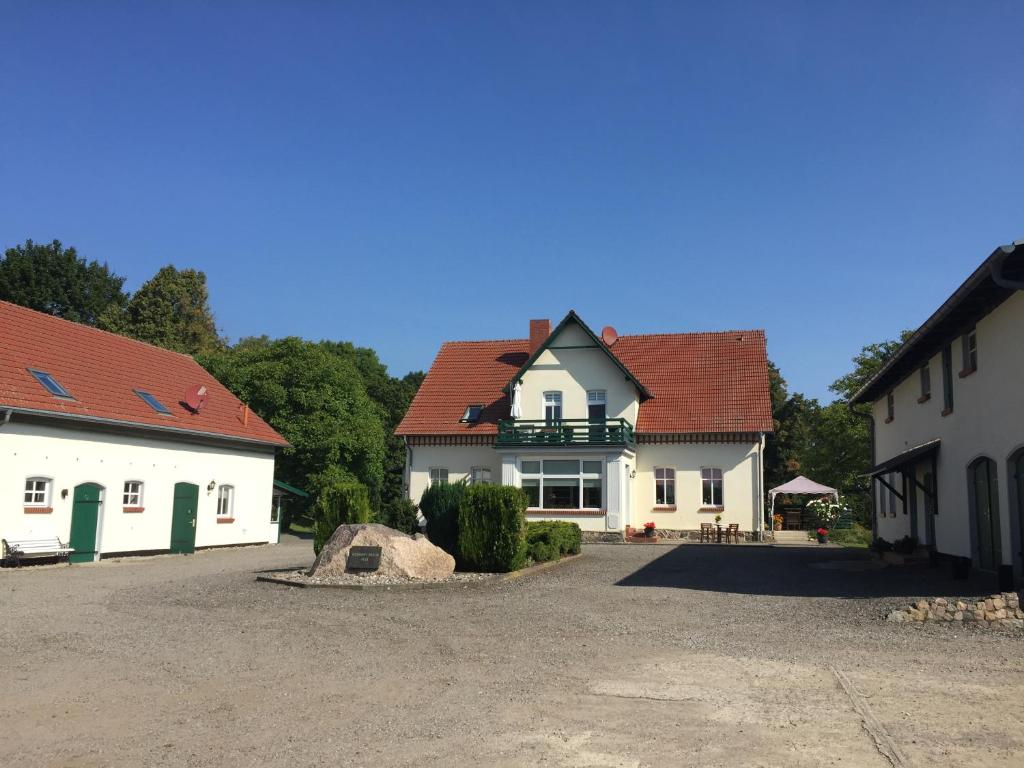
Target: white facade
{"x":986,"y":421}
{"x":69,"y":456}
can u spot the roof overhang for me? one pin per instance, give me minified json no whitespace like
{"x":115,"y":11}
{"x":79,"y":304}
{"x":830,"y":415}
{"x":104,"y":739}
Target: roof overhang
{"x":989,"y":285}
{"x":572,"y":317}
{"x":900,"y":461}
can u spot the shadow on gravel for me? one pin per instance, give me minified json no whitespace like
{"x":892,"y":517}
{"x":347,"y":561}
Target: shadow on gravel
{"x":797,"y":572}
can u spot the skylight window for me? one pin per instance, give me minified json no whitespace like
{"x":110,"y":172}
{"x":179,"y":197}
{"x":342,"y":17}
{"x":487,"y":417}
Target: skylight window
{"x":472,"y":414}
{"x":152,"y":402}
{"x":50,"y":384}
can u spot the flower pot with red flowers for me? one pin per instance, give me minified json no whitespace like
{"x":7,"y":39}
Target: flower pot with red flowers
{"x":649,"y":531}
{"x":777,"y":522}
{"x":823,"y":535}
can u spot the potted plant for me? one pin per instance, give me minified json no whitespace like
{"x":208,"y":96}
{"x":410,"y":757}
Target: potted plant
{"x":718,"y":519}
{"x":649,"y":530}
{"x":823,"y":535}
{"x":777,"y":522}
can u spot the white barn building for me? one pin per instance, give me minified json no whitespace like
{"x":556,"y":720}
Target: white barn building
{"x":115,"y":446}
{"x":948,"y":427}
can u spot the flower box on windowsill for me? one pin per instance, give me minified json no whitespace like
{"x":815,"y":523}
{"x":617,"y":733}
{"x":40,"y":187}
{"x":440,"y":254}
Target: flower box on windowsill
{"x":38,"y":510}
{"x":566,"y":512}
{"x":133,"y":509}
{"x":711,"y":509}
{"x":225,"y":520}
{"x":664,"y":508}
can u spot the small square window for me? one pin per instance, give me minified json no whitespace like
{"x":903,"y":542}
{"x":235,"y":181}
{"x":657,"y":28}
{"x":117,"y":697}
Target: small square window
{"x":50,"y":384}
{"x":480,"y":476}
{"x":472,"y":414}
{"x":37,"y":492}
{"x":438,"y":476}
{"x":132,"y":496}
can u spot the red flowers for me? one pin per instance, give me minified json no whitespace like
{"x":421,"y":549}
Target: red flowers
{"x":649,"y":526}
{"x":823,"y":531}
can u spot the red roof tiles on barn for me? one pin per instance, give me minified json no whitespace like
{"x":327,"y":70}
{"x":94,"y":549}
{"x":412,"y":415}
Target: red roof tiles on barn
{"x":698,"y":382}
{"x":102,"y":371}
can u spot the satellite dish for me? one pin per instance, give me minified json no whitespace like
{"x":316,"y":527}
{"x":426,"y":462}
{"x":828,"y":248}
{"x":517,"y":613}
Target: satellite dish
{"x":195,"y":398}
{"x":609,"y":335}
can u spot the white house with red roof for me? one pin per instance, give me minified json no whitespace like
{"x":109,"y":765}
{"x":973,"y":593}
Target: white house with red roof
{"x":116,"y":446}
{"x":606,"y":431}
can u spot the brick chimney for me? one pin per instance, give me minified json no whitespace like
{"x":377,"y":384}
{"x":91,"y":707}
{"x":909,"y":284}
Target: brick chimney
{"x":539,"y":332}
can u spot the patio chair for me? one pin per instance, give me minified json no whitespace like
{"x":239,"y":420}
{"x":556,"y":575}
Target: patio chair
{"x":733,"y":532}
{"x":707,"y":532}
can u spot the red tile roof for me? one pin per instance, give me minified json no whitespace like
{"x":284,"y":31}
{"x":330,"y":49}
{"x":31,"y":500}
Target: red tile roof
{"x":699,"y":382}
{"x":101,"y":370}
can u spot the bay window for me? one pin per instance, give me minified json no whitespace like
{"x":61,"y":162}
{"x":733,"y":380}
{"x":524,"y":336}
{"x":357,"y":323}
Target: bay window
{"x":563,"y":484}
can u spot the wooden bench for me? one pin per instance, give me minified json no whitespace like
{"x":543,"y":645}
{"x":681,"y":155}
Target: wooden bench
{"x":15,"y":550}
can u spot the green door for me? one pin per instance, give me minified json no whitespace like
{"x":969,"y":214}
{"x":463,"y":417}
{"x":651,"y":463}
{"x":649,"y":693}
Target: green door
{"x":85,"y":518}
{"x":183,"y":518}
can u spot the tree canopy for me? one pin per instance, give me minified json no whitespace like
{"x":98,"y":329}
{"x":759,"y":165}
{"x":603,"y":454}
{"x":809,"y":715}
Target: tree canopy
{"x":56,"y":280}
{"x":170,"y":310}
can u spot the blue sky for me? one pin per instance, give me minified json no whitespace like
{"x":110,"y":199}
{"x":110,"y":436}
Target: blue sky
{"x":401,"y":173}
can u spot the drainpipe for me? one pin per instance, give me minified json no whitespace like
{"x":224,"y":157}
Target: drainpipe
{"x":6,"y":417}
{"x":760,"y":488}
{"x":871,"y":437}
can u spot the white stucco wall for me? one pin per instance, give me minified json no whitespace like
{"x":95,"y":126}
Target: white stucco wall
{"x":987,"y":420}
{"x":740,"y":467}
{"x":572,"y":372}
{"x":71,"y":457}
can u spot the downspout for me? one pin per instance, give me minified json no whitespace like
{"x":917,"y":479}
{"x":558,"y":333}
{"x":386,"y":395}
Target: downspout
{"x":759,"y":510}
{"x":407,"y":474}
{"x":871,"y":437}
{"x":7,"y":416}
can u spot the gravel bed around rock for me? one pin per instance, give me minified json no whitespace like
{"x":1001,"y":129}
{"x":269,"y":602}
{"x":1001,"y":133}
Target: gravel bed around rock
{"x":302,"y":577}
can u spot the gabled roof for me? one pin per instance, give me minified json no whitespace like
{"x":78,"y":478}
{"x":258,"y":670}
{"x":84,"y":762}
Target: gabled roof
{"x":992,"y":283}
{"x":102,"y":371}
{"x":697,"y":383}
{"x":572,"y":317}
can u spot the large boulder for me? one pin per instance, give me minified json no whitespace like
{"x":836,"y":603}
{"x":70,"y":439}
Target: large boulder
{"x":401,"y":555}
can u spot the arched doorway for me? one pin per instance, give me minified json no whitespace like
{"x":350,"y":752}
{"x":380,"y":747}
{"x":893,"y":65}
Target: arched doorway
{"x":984,"y":501}
{"x":85,"y":523}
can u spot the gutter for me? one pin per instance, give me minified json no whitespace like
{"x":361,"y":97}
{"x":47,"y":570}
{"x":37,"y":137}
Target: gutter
{"x":136,"y":426}
{"x":995,"y":267}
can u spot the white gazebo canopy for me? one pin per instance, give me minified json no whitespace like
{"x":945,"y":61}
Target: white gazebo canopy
{"x":801,"y":484}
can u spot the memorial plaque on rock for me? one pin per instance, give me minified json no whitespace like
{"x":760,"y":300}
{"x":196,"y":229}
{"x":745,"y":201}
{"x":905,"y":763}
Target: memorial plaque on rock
{"x":363,"y":559}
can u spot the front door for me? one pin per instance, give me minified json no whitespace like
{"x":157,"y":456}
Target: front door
{"x":986,"y":512}
{"x":85,"y":519}
{"x":183,"y":518}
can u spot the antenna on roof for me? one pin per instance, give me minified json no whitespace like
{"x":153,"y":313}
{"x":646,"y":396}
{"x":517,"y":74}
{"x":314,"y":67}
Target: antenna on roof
{"x":196,"y":398}
{"x":609,"y":335}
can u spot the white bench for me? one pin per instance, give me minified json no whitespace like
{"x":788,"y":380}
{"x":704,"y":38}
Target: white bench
{"x":17,"y":549}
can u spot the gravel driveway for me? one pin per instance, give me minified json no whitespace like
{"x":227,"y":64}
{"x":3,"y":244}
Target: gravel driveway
{"x":629,"y":656}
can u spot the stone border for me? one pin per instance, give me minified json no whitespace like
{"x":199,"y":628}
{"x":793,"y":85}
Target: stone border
{"x":1001,"y":610}
{"x":497,"y":578}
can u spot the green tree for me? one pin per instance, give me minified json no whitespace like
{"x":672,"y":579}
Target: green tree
{"x":792,"y":416}
{"x":317,"y":401}
{"x":866,"y":364}
{"x":56,"y":280}
{"x":171,"y":310}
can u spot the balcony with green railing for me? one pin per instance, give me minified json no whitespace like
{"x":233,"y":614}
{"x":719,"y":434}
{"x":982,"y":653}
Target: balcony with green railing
{"x":566,"y":432}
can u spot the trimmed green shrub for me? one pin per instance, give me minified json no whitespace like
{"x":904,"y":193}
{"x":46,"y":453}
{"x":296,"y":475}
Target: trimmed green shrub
{"x":856,"y":535}
{"x":339,"y":503}
{"x":400,"y":514}
{"x":492,"y":528}
{"x":551,"y":539}
{"x":440,"y":505}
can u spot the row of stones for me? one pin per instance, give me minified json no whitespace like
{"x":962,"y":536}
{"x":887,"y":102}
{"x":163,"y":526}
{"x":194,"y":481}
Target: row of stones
{"x":1000,"y":610}
{"x":590,"y":537}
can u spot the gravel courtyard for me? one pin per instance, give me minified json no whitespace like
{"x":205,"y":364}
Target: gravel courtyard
{"x":628,"y":656}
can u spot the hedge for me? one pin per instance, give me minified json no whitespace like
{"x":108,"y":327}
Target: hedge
{"x":400,"y":514}
{"x":492,"y":528}
{"x":339,"y":503}
{"x":550,"y":540}
{"x":440,"y":505}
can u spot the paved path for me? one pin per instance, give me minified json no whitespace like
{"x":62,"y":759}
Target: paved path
{"x":630,"y":656}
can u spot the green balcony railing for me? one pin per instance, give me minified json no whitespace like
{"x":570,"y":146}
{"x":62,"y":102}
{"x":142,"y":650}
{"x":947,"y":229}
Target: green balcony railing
{"x":566,"y":432}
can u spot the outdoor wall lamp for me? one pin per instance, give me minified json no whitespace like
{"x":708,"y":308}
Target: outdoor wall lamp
{"x":632,"y":474}
{"x":63,"y":493}
{"x":211,"y":486}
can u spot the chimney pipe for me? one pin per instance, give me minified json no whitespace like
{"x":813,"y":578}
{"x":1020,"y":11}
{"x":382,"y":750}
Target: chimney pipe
{"x":539,"y":332}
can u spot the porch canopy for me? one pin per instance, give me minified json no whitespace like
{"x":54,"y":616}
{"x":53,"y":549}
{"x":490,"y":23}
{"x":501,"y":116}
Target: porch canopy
{"x":801,"y":484}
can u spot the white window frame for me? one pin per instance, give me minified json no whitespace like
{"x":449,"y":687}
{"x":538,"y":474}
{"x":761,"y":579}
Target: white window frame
{"x":580,"y":476}
{"x":430,"y":475}
{"x":712,"y":479}
{"x":552,"y":399}
{"x":480,"y":476}
{"x":225,"y":501}
{"x":667,"y":483}
{"x":127,"y":494}
{"x":46,"y":491}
